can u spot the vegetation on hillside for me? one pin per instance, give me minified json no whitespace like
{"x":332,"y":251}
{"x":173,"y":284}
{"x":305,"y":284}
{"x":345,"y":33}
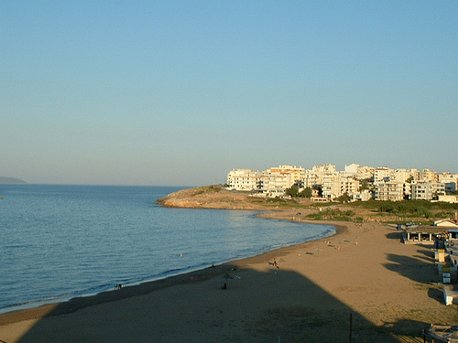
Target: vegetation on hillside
{"x":217,"y":196}
{"x":336,"y":214}
{"x":410,"y":208}
{"x":294,"y":192}
{"x":207,"y":189}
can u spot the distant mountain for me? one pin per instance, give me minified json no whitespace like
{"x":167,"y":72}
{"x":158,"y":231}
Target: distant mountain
{"x":10,"y":180}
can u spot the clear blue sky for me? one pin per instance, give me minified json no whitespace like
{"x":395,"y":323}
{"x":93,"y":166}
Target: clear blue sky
{"x":180,"y":92}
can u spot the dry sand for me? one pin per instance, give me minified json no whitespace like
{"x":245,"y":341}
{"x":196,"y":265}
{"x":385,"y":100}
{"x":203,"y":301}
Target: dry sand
{"x":389,"y":289}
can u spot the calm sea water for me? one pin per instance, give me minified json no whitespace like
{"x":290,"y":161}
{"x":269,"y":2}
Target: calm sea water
{"x":58,"y":242}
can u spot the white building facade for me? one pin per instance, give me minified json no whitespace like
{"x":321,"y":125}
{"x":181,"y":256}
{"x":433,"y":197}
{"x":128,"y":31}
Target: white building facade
{"x":389,"y":191}
{"x":276,"y":180}
{"x":243,"y":180}
{"x":381,"y":183}
{"x":424,"y":190}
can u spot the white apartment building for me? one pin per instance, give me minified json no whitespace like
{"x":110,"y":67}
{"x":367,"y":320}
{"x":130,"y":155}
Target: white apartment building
{"x":364,"y":195}
{"x":320,"y":172}
{"x":349,"y":185}
{"x":327,"y":177}
{"x":359,"y":172}
{"x":243,"y":180}
{"x":351,"y":169}
{"x":310,"y":178}
{"x":324,"y":168}
{"x":402,"y":175}
{"x":450,"y":180}
{"x":389,"y":190}
{"x":297,"y":173}
{"x":331,"y":185}
{"x":427,"y":175}
{"x":414,"y":174}
{"x":276,"y":180}
{"x":424,"y":190}
{"x":382,"y":174}
{"x":275,"y":185}
{"x":447,"y":177}
{"x":390,"y":184}
{"x":365,"y":172}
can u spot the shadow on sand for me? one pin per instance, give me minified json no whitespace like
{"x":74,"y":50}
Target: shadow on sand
{"x":270,"y":306}
{"x":396,"y":235}
{"x":419,"y":268}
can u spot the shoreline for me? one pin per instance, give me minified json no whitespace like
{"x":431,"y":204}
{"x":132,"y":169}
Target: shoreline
{"x":128,"y":291}
{"x":300,"y":292}
{"x":363,"y":269}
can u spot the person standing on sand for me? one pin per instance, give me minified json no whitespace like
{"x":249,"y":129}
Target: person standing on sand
{"x":275,"y":264}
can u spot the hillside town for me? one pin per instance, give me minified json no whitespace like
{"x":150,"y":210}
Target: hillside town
{"x":354,"y":183}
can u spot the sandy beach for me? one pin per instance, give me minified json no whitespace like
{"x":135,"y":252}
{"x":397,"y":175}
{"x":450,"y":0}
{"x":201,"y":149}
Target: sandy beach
{"x":388,"y":288}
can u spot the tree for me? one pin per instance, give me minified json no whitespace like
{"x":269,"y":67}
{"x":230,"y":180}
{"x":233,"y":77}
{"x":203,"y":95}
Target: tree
{"x":306,"y":193}
{"x":293,"y":191}
{"x":344,"y":198}
{"x":318,"y":188}
{"x":364,"y":184}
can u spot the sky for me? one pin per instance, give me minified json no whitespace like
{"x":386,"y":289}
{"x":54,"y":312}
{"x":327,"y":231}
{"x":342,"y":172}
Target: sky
{"x":181,"y":92}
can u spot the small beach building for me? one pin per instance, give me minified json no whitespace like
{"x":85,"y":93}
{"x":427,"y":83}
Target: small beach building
{"x":423,"y":234}
{"x":448,"y":223}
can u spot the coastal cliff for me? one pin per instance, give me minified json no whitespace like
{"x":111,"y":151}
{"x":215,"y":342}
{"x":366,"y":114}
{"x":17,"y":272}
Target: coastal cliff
{"x":218,"y":197}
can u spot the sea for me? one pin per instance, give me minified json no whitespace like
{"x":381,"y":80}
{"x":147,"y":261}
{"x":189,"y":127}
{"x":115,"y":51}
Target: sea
{"x":58,"y":242}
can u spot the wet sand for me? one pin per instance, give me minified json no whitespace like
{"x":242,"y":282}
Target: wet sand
{"x":389,"y":289}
